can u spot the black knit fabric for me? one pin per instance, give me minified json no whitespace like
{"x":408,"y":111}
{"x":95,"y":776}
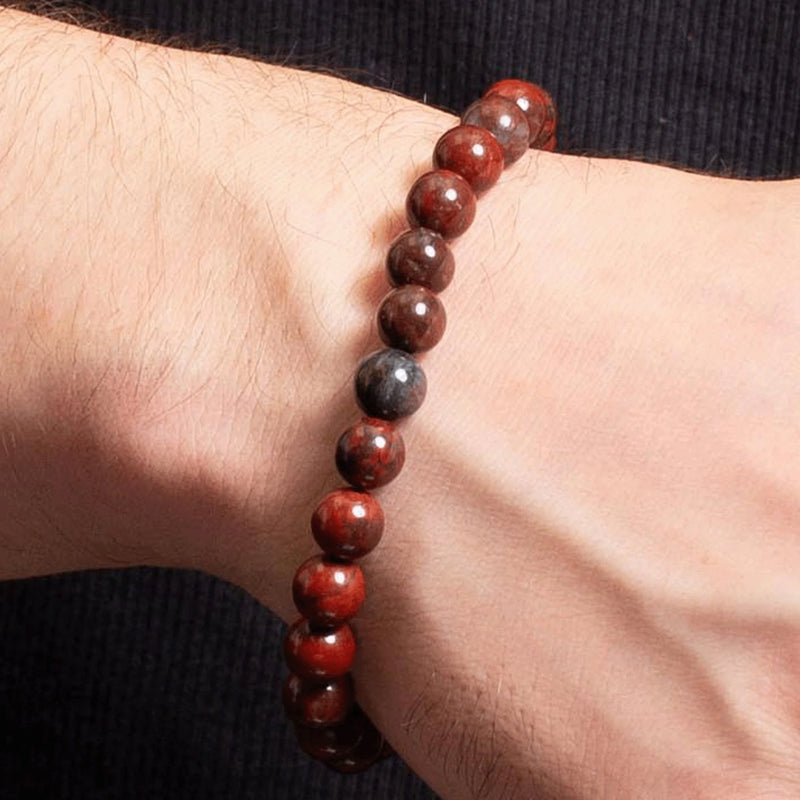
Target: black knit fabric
{"x":162,"y":684}
{"x":714,"y":85}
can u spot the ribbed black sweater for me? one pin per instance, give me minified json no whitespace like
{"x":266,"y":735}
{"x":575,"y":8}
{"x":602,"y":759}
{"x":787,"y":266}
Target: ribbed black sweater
{"x":160,"y":684}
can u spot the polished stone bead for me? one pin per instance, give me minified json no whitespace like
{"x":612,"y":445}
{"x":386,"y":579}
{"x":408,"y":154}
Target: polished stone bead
{"x":347,"y":523}
{"x":532,"y":100}
{"x":504,"y":119}
{"x":472,"y":152}
{"x":318,"y":703}
{"x":368,"y":750}
{"x":319,"y":654}
{"x":550,"y":145}
{"x":441,"y":201}
{"x":421,"y":257}
{"x":334,"y":741}
{"x":550,"y":121}
{"x":328,"y":592}
{"x":370,"y":453}
{"x":329,"y":742}
{"x":390,"y":384}
{"x":411,"y":318}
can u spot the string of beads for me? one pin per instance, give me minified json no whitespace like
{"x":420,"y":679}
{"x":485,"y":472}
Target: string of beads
{"x":329,"y":588}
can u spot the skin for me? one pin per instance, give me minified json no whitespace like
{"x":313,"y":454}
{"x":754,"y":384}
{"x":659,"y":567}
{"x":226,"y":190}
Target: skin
{"x":587,"y":587}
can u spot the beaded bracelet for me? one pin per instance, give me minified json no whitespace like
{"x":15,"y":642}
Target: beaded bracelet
{"x":328,"y":589}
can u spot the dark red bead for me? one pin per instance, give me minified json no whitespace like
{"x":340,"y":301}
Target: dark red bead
{"x":504,"y":119}
{"x":441,"y":201}
{"x":335,"y":741}
{"x":328,"y":592}
{"x":331,"y":742}
{"x":550,"y":120}
{"x":411,"y":318}
{"x":319,"y":654}
{"x":347,"y":523}
{"x":473,"y":153}
{"x":390,"y":384}
{"x":531,"y":99}
{"x":318,"y":704}
{"x":368,"y":750}
{"x":370,"y":453}
{"x":550,"y":145}
{"x":420,"y":256}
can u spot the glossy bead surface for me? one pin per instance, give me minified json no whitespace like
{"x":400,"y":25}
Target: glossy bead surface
{"x":390,"y":384}
{"x":411,"y":318}
{"x":550,"y":145}
{"x":337,"y":740}
{"x":422,"y":257}
{"x":504,"y":119}
{"x":472,"y":152}
{"x":550,"y":121}
{"x":318,"y":704}
{"x":347,"y":523}
{"x":531,"y":100}
{"x":368,"y":750}
{"x":328,"y":592}
{"x":319,"y":654}
{"x":441,"y":201}
{"x":370,"y":453}
{"x":329,"y":742}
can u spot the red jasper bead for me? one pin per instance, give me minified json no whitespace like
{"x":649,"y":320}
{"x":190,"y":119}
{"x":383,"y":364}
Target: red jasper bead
{"x":334,"y":741}
{"x":317,"y":704}
{"x":330,"y":742}
{"x":473,"y":153}
{"x":441,"y":201}
{"x":370,"y":453}
{"x":504,"y":119}
{"x":550,"y":145}
{"x":368,"y":750}
{"x":327,"y":592}
{"x":420,"y":256}
{"x":529,"y":97}
{"x":411,"y":318}
{"x":319,"y":654}
{"x":550,"y":121}
{"x":347,"y":523}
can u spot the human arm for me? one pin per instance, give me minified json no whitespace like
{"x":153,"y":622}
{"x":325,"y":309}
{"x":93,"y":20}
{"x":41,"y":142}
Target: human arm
{"x":553,"y":423}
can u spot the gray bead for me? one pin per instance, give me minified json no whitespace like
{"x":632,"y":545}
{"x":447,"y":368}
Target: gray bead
{"x":390,"y":384}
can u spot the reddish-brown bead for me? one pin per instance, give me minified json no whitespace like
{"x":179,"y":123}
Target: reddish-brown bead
{"x":474,"y":153}
{"x":327,"y":743}
{"x":529,"y":97}
{"x":550,"y":145}
{"x":335,"y":741}
{"x":347,"y":523}
{"x":370,"y":453}
{"x":504,"y":120}
{"x":550,"y":121}
{"x":422,"y":257}
{"x":318,"y":704}
{"x":411,"y":318}
{"x":328,"y":592}
{"x":319,"y":654}
{"x":368,"y":750}
{"x":441,"y":201}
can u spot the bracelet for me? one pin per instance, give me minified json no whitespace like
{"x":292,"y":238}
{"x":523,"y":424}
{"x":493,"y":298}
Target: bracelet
{"x":328,"y":589}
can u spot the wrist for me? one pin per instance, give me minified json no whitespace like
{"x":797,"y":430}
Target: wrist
{"x":172,"y":246}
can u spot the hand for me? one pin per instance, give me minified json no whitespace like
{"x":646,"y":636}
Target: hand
{"x":585,"y":587}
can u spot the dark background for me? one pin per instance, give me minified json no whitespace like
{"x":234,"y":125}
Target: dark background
{"x":163,"y":684}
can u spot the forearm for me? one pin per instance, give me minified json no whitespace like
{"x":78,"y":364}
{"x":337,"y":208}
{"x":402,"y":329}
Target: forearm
{"x":130,"y":242}
{"x":198,"y":293}
{"x":165,"y":349}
